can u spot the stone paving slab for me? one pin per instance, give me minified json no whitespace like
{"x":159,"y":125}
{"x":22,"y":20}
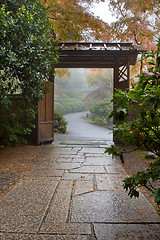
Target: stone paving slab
{"x":112,"y":206}
{"x":45,"y":173}
{"x":89,"y":169}
{"x":70,"y":151}
{"x":47,"y":161}
{"x":84,"y":187}
{"x":95,"y":154}
{"x":84,"y":143}
{"x":77,"y":176}
{"x":44,"y":178}
{"x":116,"y":169}
{"x":78,"y":155}
{"x":61,"y":166}
{"x":59,"y":210}
{"x":101,"y":161}
{"x":22,"y":209}
{"x":85,"y":146}
{"x":92,"y":150}
{"x":75,"y":159}
{"x":15,"y":236}
{"x":127,"y":231}
{"x":66,"y":228}
{"x":110,"y":182}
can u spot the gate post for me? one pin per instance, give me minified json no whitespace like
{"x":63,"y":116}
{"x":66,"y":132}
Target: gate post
{"x":121,"y":81}
{"x":46,"y":116}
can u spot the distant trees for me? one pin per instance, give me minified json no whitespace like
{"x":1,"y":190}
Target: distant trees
{"x":101,"y":80}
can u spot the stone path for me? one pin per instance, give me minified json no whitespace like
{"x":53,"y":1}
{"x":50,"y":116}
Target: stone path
{"x":76,"y":193}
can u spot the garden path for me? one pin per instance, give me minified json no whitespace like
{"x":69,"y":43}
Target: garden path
{"x":76,"y":193}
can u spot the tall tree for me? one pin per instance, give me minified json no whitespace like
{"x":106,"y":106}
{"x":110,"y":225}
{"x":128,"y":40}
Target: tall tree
{"x":137,"y":21}
{"x":73,"y":20}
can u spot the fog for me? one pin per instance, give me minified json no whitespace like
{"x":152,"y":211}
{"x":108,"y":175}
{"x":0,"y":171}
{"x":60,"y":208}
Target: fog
{"x":80,"y":91}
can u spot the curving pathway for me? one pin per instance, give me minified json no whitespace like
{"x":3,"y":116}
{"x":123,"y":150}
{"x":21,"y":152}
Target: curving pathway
{"x":79,"y":129}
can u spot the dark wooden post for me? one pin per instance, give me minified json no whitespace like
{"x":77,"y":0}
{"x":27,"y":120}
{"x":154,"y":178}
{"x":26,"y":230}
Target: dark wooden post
{"x":121,"y":81}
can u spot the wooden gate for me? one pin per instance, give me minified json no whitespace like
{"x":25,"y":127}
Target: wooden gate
{"x":46,"y":117}
{"x":118,"y":56}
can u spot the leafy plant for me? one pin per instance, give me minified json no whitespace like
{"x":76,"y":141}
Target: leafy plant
{"x":144,"y":129}
{"x":65,"y":104}
{"x":61,"y":123}
{"x":27,"y":58}
{"x":16,"y":122}
{"x":101,"y":110}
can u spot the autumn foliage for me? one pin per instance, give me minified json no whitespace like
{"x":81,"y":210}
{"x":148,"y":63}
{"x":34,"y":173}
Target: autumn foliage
{"x":138,"y":21}
{"x":73,"y":20}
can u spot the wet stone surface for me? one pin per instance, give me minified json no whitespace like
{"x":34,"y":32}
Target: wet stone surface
{"x":45,"y":173}
{"x":23,"y":207}
{"x":111,"y":206}
{"x":84,"y":187}
{"x":66,"y":228}
{"x":77,"y":176}
{"x":89,"y":169}
{"x":92,"y":150}
{"x":76,"y":193}
{"x":127,"y":231}
{"x":75,"y":159}
{"x":100,"y":161}
{"x":110,"y":182}
{"x":13,"y":236}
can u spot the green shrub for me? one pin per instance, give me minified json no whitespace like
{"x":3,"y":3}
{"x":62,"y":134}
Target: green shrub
{"x":67,"y":104}
{"x":101,"y":110}
{"x":16,"y":122}
{"x":59,"y":108}
{"x":27,"y":59}
{"x":60,"y":126}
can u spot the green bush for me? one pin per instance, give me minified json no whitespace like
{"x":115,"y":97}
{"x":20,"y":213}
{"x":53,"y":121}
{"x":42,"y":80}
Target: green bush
{"x":27,"y":58}
{"x":101,"y":110}
{"x":59,"y":108}
{"x":16,"y":122}
{"x":61,"y":123}
{"x":67,"y":104}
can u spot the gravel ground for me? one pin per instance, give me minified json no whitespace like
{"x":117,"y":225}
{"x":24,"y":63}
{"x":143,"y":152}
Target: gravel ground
{"x":17,"y":162}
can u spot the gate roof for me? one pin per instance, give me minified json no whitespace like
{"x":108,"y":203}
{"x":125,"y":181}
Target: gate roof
{"x":97,"y":55}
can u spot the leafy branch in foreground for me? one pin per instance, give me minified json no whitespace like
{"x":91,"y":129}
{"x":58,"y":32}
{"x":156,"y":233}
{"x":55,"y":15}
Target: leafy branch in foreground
{"x":143,"y":130}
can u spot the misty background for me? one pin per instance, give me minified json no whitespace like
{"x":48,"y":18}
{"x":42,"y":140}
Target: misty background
{"x":85,"y":90}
